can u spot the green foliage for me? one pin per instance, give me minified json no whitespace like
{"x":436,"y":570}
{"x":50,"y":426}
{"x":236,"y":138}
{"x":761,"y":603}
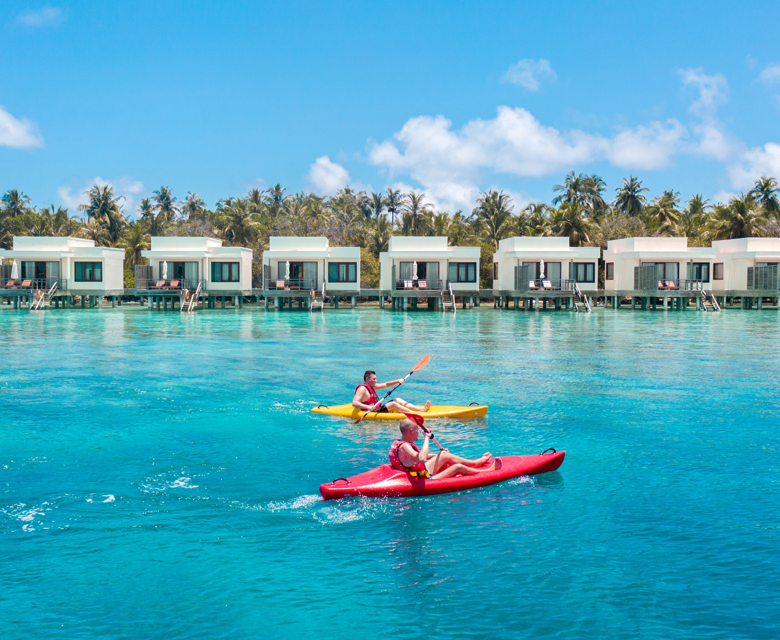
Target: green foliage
{"x":369,"y":269}
{"x":129,"y":277}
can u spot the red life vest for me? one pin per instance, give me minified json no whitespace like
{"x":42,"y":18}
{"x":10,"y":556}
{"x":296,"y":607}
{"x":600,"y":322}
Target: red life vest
{"x":395,"y":461}
{"x":374,"y":399}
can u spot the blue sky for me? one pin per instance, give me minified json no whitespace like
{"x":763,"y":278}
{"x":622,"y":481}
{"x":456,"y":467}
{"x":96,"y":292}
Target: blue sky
{"x":449,"y":98}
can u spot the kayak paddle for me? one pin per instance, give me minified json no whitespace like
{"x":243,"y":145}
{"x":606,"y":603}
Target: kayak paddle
{"x":417,"y":367}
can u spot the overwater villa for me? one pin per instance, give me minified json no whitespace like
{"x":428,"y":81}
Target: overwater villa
{"x":746,"y":268}
{"x":425,"y":267}
{"x":307,"y":269}
{"x":537,"y":271}
{"x":185,"y":269}
{"x":50,"y":271}
{"x":649,"y":271}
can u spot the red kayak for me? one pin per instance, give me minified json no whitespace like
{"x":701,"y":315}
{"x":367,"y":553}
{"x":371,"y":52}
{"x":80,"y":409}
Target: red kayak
{"x":386,"y":481}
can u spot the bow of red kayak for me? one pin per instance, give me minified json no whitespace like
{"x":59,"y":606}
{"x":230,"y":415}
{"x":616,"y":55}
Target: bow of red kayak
{"x":387,"y":481}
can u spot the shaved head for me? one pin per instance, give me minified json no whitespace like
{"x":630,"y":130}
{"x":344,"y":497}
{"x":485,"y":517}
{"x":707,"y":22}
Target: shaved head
{"x":407,"y":425}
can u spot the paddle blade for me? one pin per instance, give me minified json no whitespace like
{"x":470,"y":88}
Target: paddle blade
{"x":422,"y":363}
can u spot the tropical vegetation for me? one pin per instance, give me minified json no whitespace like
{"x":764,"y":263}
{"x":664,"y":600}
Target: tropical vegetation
{"x":580,"y":210}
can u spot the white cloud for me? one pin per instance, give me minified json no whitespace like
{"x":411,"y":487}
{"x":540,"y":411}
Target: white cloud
{"x":722,"y":197}
{"x":647,"y":146}
{"x":327,"y":177}
{"x":529,"y":73}
{"x":131,"y":189}
{"x":48,"y":16}
{"x":754,"y":163}
{"x":448,"y":164}
{"x":713,"y":90}
{"x":770,"y":75}
{"x":18,"y":133}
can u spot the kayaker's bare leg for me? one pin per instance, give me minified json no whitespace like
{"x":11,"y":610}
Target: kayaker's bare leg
{"x":402,"y":406}
{"x":462,"y":470}
{"x":444,"y":459}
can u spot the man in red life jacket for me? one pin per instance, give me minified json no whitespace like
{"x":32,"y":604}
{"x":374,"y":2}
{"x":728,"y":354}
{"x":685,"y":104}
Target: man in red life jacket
{"x":405,"y":456}
{"x":366,"y":398}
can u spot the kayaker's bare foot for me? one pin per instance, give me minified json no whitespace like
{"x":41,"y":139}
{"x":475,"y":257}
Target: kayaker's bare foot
{"x":427,"y":406}
{"x":485,"y":457}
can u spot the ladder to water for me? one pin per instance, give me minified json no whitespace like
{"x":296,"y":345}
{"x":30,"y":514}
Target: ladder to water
{"x":43,"y":299}
{"x":580,"y":300}
{"x":708,"y":302}
{"x":318,"y":299}
{"x":188,"y":304}
{"x":448,"y":299}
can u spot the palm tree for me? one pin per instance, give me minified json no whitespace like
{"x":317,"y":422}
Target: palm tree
{"x":743,"y":217}
{"x":573,"y":189}
{"x":240,"y":227}
{"x":629,"y":200}
{"x":664,"y":213}
{"x":93,"y":230}
{"x":165,"y":203}
{"x":393,"y":201}
{"x":569,"y":220}
{"x":493,"y":213}
{"x":145,"y":209}
{"x":276,"y":199}
{"x":594,"y":187}
{"x":380,"y":235}
{"x":15,"y":203}
{"x":193,"y":206}
{"x":414,"y":214}
{"x":134,"y":240}
{"x":157,"y":225}
{"x":376,"y":204}
{"x":536,"y":219}
{"x":765,"y":192}
{"x":103,"y":206}
{"x":692,"y":219}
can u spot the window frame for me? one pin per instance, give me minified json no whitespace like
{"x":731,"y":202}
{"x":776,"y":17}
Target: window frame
{"x":495,"y":271}
{"x":585,"y":265}
{"x":609,"y":271}
{"x":346,"y":266}
{"x":700,"y":265}
{"x":466,"y":265}
{"x":222,"y":265}
{"x":83,"y":277}
{"x":715,"y":270}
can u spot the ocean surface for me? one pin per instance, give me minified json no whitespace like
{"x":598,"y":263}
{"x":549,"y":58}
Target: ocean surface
{"x":159,"y":476}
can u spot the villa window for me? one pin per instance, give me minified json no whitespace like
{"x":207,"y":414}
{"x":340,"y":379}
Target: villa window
{"x":495,"y":271}
{"x":224,"y":272}
{"x":717,"y":271}
{"x":609,"y":271}
{"x":700,"y":271}
{"x":342,"y":272}
{"x":88,"y":271}
{"x":584,"y":271}
{"x":462,"y":272}
{"x":425,"y":271}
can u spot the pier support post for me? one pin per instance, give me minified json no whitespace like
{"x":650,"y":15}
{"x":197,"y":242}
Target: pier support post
{"x":277,"y":303}
{"x":760,"y":302}
{"x":83,"y":301}
{"x":354,"y":301}
{"x":113,"y":301}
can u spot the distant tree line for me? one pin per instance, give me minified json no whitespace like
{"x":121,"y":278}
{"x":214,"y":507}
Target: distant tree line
{"x":579,"y":211}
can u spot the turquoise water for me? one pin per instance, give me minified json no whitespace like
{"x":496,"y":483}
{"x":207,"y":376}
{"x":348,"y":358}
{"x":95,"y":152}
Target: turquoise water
{"x":159,"y":476}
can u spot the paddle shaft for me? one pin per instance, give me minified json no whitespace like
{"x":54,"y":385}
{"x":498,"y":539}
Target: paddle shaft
{"x":430,"y":435}
{"x":379,"y":404}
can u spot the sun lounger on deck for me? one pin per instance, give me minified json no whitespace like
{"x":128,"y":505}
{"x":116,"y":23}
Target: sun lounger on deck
{"x":422,"y":284}
{"x":671,"y":286}
{"x":408,"y":284}
{"x":26,"y":284}
{"x":547,"y":284}
{"x":174,"y":284}
{"x":10,"y":284}
{"x":279,"y":284}
{"x":532,"y":285}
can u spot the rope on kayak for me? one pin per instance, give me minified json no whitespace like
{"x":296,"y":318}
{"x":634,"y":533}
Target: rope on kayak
{"x":319,"y":406}
{"x":473,"y":404}
{"x":550,"y":449}
{"x":344,"y":479}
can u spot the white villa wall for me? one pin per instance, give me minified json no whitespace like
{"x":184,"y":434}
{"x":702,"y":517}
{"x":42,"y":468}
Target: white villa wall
{"x":628,"y":253}
{"x":204,"y":251}
{"x":738,"y":255}
{"x":515,"y":251}
{"x":318,"y":250}
{"x":67,"y":252}
{"x":426,"y":249}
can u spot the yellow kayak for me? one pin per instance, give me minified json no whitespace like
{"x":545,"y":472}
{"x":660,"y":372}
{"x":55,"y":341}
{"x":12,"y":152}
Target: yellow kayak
{"x":440,"y":411}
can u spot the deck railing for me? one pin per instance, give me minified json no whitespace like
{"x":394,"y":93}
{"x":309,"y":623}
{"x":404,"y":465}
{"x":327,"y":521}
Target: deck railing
{"x":41,"y":283}
{"x":145,"y":284}
{"x":545,"y":284}
{"x":291,"y":284}
{"x":419,"y":285}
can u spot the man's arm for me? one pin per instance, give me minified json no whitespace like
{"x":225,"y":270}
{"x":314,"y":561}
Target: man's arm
{"x":357,"y":401}
{"x":415,"y":456}
{"x":392,"y":383}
